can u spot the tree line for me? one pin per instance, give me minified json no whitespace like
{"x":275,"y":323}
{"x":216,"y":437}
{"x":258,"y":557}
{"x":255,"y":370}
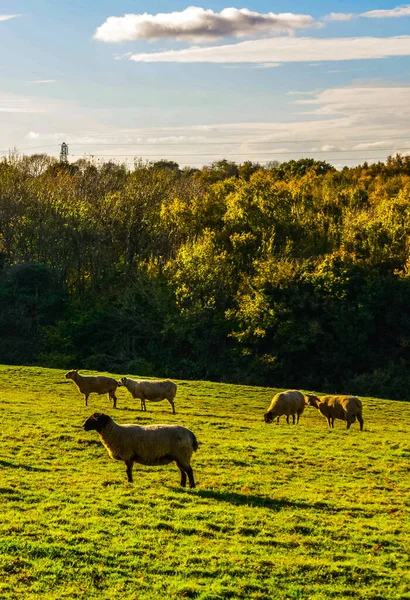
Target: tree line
{"x":287,"y":275}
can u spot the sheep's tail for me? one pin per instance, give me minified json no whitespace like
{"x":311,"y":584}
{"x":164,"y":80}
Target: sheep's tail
{"x":195,"y":444}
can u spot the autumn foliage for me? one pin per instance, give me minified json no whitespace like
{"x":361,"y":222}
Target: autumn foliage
{"x":296,"y":275}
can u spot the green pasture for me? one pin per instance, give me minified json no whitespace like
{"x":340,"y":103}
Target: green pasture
{"x":279,"y":511}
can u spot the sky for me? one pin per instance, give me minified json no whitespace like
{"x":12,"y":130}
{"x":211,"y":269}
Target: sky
{"x":195,"y":83}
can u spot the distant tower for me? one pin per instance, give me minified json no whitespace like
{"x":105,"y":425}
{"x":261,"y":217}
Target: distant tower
{"x":64,"y":154}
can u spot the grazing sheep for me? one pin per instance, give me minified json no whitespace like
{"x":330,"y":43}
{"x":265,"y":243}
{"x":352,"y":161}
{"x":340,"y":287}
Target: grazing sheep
{"x":94,"y":385}
{"x":346,"y":408}
{"x":154,"y":391}
{"x":148,"y":445}
{"x":287,"y":403}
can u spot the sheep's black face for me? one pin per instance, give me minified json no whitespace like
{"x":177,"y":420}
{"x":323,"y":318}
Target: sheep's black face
{"x":268,"y":417}
{"x":311,"y":400}
{"x":121,"y":381}
{"x":96,"y":422}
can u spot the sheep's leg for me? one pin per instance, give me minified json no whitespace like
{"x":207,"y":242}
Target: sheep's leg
{"x":113,"y":398}
{"x":293,"y":418}
{"x":287,"y":419}
{"x":129,"y":464}
{"x":348,"y":423}
{"x":143,"y":405}
{"x":86,"y":399}
{"x":329,"y":422}
{"x":172,"y":404}
{"x":190,"y":474}
{"x":277,"y":420}
{"x":360,"y":419}
{"x":183,"y":474}
{"x":333,"y":423}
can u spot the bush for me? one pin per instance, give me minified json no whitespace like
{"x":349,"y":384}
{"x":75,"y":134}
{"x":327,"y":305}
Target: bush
{"x":140,"y":367}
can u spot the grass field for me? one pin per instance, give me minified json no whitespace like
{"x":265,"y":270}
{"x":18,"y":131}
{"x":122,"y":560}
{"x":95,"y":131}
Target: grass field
{"x":279,"y":511}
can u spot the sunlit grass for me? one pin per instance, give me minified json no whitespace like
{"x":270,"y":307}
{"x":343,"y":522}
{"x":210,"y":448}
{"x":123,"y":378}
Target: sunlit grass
{"x":279,"y":511}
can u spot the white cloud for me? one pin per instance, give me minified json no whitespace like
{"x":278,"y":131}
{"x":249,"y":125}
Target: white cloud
{"x":7,"y":17}
{"x":376,"y":103}
{"x":286,"y":49}
{"x":34,"y":135}
{"x":267,"y":65}
{"x":255,"y":66}
{"x":307,"y":93}
{"x":122,"y":56}
{"x":339,"y":17}
{"x":399,"y":11}
{"x":345,"y":70}
{"x":19,"y":104}
{"x":40,"y":81}
{"x":330,"y":148}
{"x":195,"y":24}
{"x":375,"y":145}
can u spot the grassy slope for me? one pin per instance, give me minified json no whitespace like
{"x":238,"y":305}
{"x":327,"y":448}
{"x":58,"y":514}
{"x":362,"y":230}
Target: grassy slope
{"x":279,"y":511}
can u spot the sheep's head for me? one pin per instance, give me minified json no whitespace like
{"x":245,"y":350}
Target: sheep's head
{"x":312,"y":400}
{"x":269,"y":416}
{"x":96,"y":422}
{"x":71,"y":374}
{"x":122,"y":381}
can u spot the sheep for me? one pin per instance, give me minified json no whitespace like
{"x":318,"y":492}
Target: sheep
{"x":154,"y":391}
{"x":287,"y":403}
{"x":94,"y":385}
{"x":147,"y":445}
{"x":346,"y":408}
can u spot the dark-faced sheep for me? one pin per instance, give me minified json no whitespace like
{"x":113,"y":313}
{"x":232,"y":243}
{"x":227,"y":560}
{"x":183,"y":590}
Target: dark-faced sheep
{"x":94,"y":385}
{"x":148,"y":445}
{"x":345,"y":408}
{"x":287,"y":403}
{"x":153,"y":391}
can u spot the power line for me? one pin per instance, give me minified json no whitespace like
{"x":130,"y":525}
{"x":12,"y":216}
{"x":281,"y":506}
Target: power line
{"x":207,"y":143}
{"x":241,"y":154}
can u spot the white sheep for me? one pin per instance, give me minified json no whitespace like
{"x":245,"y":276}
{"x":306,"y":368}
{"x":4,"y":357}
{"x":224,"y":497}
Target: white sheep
{"x":148,"y":445}
{"x":287,"y":403}
{"x":154,"y":391}
{"x":94,"y":385}
{"x":345,"y":408}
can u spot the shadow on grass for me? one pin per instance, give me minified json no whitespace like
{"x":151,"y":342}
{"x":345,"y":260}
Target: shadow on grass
{"x":275,"y":504}
{"x":8,"y":491}
{"x":89,"y":442}
{"x":126,"y":408}
{"x":7,"y":463}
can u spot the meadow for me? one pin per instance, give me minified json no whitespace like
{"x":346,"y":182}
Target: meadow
{"x":279,"y":512}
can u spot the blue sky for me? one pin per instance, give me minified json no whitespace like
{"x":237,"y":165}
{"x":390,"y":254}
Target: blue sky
{"x":265,"y":81}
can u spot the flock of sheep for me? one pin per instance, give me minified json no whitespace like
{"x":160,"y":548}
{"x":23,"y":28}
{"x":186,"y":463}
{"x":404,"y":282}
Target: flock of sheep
{"x":161,"y":444}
